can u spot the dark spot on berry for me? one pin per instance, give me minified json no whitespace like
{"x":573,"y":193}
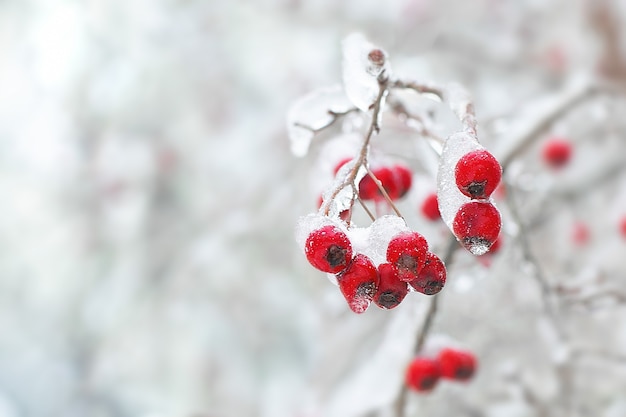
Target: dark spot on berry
{"x":464,"y":373}
{"x":388,"y":299}
{"x":407,"y":262}
{"x":367,"y":290}
{"x":433,"y":287}
{"x":477,"y":189}
{"x":336,"y":256}
{"x":428,"y":383}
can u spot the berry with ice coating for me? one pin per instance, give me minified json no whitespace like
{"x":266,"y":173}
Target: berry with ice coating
{"x":391,"y":291}
{"x":407,"y":250}
{"x":432,"y":277}
{"x":430,"y":207}
{"x":456,"y":364}
{"x":477,"y":226}
{"x":328,"y":249}
{"x":359,"y":283}
{"x":477,"y":174}
{"x":422,"y":374}
{"x":557,"y":152}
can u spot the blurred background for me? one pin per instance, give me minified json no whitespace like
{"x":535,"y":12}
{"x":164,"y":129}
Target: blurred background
{"x":148,"y":265}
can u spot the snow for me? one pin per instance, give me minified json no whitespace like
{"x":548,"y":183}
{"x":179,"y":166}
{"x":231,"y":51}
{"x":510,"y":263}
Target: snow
{"x":382,"y":231}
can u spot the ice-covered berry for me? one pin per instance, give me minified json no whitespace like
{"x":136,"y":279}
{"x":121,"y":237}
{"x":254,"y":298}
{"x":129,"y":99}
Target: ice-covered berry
{"x":359,"y":283}
{"x":456,"y":364}
{"x":328,"y":249}
{"x":391,"y":291}
{"x":422,"y":374}
{"x":407,"y":250}
{"x":477,"y":226}
{"x":432,"y":277}
{"x":477,"y":174}
{"x":495,"y":247}
{"x":557,"y":152}
{"x":404,"y":179}
{"x":430,"y":207}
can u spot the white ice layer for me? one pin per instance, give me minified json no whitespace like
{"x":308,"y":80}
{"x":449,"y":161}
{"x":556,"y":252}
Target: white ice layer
{"x":311,"y":112}
{"x":313,"y":221}
{"x":381,"y":233}
{"x":360,"y":75}
{"x":343,"y":199}
{"x":448,"y":195}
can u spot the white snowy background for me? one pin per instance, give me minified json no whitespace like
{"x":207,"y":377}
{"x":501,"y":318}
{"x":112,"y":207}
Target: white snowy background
{"x":148,"y":265}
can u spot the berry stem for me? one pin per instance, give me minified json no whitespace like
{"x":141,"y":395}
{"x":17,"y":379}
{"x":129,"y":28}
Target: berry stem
{"x":379,"y":184}
{"x":367,"y":210}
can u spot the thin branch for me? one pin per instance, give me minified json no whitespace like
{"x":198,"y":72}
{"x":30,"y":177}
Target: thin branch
{"x":335,"y":117}
{"x":379,"y":184}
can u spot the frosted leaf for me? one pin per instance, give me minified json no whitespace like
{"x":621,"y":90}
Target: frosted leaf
{"x":362,"y":64}
{"x":309,"y":223}
{"x":312,"y":112}
{"x":382,"y":231}
{"x":448,"y":195}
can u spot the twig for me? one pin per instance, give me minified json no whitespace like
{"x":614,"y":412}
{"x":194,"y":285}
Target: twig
{"x":335,"y":117}
{"x":379,"y":184}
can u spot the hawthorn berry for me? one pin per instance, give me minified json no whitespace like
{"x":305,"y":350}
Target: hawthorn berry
{"x":404,"y":179}
{"x":430,"y":207}
{"x":407,"y":250}
{"x":328,"y":249}
{"x":422,"y":374}
{"x":432,"y":277}
{"x":391,"y":291}
{"x":495,"y":247}
{"x":622,"y":226}
{"x":456,"y":364}
{"x":477,"y":174}
{"x":557,"y":152}
{"x":340,"y":164}
{"x":359,"y":283}
{"x":580,"y":234}
{"x":368,"y":190}
{"x":477,"y":226}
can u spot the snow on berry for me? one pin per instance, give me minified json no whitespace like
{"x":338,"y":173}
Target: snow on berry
{"x":359,"y":283}
{"x":456,"y":364}
{"x":422,"y":374}
{"x":478,"y":174}
{"x":381,"y":232}
{"x":430,"y":207}
{"x":407,"y":250}
{"x":311,"y":112}
{"x":477,"y":226}
{"x":328,"y":249}
{"x":557,"y":152}
{"x":391,"y":291}
{"x":362,"y":64}
{"x":432,"y":277}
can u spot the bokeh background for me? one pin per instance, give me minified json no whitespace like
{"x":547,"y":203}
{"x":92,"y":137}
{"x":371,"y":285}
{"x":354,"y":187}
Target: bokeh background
{"x":148,"y":265}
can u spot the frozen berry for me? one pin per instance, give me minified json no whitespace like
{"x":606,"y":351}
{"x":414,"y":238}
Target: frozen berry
{"x":557,"y":152}
{"x":430,"y":207}
{"x":404,"y":179}
{"x":432,"y":277}
{"x":328,"y":249}
{"x":456,"y":364}
{"x":496,"y":246}
{"x":407,"y":250}
{"x":477,"y":225}
{"x":368,"y":190}
{"x":359,"y":283}
{"x":391,"y":291}
{"x":422,"y":374}
{"x":477,"y":174}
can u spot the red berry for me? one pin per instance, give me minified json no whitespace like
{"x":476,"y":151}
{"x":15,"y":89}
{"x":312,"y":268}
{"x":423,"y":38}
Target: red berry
{"x":496,"y":246}
{"x":622,"y":226}
{"x":430,"y":207}
{"x":407,"y":250}
{"x":340,"y":164}
{"x":404,"y":179}
{"x":456,"y":364}
{"x":328,"y":249}
{"x":477,"y":225}
{"x":432,"y":277}
{"x":557,"y":152}
{"x":580,"y":234}
{"x":477,"y":174}
{"x":359,"y":283}
{"x":368,"y":190}
{"x":422,"y":374}
{"x":391,"y":291}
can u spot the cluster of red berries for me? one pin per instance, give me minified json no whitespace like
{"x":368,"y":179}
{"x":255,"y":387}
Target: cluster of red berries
{"x":424,"y":372}
{"x":396,"y":180}
{"x":477,"y":223}
{"x":409,"y":266}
